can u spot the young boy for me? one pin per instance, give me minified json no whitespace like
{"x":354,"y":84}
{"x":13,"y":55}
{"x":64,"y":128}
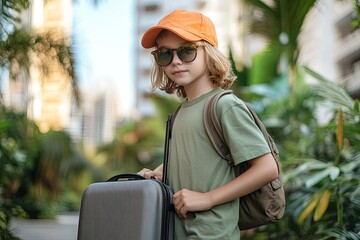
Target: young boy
{"x":189,"y":64}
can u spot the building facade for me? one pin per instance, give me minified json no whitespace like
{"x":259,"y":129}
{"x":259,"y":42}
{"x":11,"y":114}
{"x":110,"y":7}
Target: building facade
{"x":330,"y":45}
{"x":48,"y":97}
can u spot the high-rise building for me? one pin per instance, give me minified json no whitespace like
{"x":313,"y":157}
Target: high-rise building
{"x":45,"y":97}
{"x":51,"y":94}
{"x":94,"y":122}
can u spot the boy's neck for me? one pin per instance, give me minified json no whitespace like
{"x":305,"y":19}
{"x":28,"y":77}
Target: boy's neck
{"x":195,"y":93}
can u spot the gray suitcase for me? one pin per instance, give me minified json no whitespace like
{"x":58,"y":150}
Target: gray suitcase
{"x":131,"y":208}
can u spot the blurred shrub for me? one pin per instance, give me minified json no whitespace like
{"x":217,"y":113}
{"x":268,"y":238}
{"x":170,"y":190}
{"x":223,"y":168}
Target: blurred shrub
{"x":317,"y":129}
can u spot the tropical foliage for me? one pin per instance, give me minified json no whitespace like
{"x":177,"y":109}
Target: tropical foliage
{"x":41,"y":173}
{"x":279,"y":22}
{"x":21,"y":47}
{"x":316,"y":128}
{"x":13,"y":163}
{"x":35,"y":167}
{"x":320,"y":162}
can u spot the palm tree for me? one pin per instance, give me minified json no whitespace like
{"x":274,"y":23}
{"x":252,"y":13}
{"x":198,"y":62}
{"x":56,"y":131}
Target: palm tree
{"x":21,"y":48}
{"x":280,"y":22}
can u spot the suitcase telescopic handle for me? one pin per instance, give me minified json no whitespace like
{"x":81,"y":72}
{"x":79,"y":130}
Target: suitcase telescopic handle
{"x":125,"y":177}
{"x":166,"y":148}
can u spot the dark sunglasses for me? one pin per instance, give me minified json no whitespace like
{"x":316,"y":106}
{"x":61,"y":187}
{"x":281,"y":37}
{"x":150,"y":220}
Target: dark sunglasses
{"x":186,"y":53}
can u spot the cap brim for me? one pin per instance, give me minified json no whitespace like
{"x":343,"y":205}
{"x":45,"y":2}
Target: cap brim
{"x":149,"y":38}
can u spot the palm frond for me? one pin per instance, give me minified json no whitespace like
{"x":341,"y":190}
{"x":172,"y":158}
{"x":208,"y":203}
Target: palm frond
{"x":23,"y":48}
{"x":330,"y":90}
{"x":265,"y":23}
{"x":9,"y":13}
{"x":281,"y":16}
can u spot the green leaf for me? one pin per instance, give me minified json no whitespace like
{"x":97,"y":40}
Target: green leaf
{"x":331,"y":171}
{"x":329,"y":90}
{"x":356,"y":107}
{"x":317,"y":177}
{"x":310,"y":164}
{"x":355,"y":195}
{"x":334,"y":172}
{"x":348,"y":167}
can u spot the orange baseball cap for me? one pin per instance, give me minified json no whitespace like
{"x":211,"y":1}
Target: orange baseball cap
{"x":189,"y":25}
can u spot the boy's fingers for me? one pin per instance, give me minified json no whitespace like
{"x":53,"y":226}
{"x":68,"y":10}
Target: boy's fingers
{"x":147,"y":173}
{"x":142,"y":171}
{"x":150,"y":174}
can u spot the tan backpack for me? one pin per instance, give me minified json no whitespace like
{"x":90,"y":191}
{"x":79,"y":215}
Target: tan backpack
{"x":267,"y":204}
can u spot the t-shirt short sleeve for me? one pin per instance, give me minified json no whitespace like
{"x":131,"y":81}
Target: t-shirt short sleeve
{"x":241,"y":133}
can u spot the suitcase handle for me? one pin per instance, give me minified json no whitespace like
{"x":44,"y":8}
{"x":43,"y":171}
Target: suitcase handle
{"x":125,"y":177}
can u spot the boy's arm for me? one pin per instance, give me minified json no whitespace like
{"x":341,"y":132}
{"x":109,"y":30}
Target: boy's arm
{"x":157,"y":172}
{"x":262,"y":171}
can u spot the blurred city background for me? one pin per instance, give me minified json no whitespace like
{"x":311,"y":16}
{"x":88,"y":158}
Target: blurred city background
{"x":76,"y":106}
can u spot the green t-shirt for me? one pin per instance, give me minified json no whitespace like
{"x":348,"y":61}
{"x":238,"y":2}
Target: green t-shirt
{"x":195,"y":165}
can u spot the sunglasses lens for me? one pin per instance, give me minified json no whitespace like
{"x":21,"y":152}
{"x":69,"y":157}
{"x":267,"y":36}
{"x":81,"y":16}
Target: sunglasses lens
{"x":187,"y":53}
{"x":164,"y":57}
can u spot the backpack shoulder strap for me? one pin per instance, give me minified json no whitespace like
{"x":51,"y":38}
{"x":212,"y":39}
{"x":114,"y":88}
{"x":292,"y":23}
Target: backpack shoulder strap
{"x":213,"y":128}
{"x":215,"y":133}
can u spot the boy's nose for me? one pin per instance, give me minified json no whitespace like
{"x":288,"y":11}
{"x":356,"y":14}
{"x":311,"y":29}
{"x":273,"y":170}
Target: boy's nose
{"x":176,"y":59}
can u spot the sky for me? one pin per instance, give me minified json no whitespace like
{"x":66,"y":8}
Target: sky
{"x":104,"y":44}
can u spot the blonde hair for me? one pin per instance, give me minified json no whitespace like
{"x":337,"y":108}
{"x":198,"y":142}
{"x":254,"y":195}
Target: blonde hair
{"x":218,"y":66}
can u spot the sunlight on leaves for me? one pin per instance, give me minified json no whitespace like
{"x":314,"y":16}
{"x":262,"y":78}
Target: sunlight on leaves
{"x":317,"y":177}
{"x":309,"y":164}
{"x":348,"y":167}
{"x":334,"y":172}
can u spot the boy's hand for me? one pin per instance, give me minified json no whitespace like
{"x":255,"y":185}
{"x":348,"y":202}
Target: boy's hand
{"x":189,"y":201}
{"x":157,"y":173}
